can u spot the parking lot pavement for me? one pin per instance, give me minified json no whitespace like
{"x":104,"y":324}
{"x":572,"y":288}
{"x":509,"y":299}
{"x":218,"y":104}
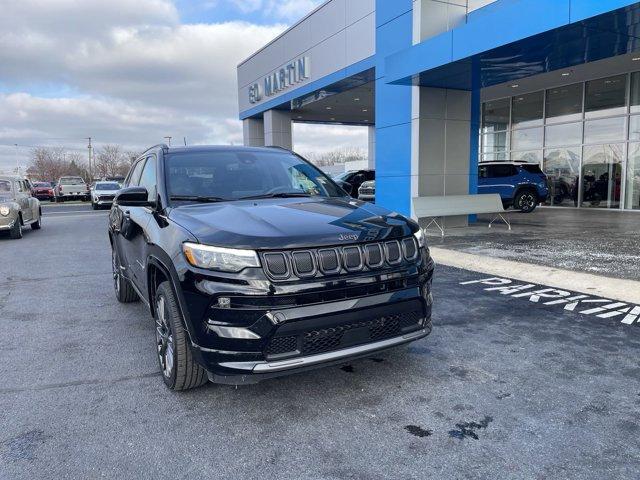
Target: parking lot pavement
{"x":505,"y":387}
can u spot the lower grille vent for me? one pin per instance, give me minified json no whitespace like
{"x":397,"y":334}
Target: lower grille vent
{"x":343,"y":336}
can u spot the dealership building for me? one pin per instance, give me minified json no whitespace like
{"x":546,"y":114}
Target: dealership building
{"x":444,"y":85}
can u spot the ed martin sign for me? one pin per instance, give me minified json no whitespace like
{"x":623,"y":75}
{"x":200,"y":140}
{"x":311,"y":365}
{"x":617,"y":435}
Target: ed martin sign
{"x":292,"y":73}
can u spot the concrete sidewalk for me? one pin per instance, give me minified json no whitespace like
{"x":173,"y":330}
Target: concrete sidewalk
{"x":601,"y":243}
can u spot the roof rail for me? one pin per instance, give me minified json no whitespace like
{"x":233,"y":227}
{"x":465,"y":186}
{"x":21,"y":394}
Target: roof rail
{"x":279,"y":148}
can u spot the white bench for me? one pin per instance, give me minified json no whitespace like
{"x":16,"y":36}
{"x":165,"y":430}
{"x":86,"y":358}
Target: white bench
{"x":447,"y":206}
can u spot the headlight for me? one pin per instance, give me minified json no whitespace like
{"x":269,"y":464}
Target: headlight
{"x":218,"y":258}
{"x":421,"y":238}
{"x":5,"y":210}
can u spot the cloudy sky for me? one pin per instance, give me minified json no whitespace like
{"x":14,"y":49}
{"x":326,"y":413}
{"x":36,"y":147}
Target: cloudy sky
{"x":133,"y":71}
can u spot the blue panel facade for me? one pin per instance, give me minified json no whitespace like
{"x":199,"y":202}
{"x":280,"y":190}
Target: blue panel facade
{"x":394,"y":31}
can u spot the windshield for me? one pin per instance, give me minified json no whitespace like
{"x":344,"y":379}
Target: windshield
{"x":5,"y":186}
{"x":234,"y":175}
{"x":107,"y":186}
{"x":41,"y":184}
{"x":344,"y":176}
{"x":71,"y":181}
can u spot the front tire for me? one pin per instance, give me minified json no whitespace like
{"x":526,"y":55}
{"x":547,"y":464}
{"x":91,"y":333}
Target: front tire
{"x":526,"y":201}
{"x":179,"y":370}
{"x":124,"y":291}
{"x":16,"y":231}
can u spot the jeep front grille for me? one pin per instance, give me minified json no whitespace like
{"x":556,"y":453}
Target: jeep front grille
{"x":320,"y":262}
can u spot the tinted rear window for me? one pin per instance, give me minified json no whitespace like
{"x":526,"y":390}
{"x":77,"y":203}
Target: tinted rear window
{"x":107,"y":186}
{"x":71,"y":181}
{"x":532,"y":168}
{"x":498,"y":171}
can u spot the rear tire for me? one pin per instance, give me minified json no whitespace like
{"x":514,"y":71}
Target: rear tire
{"x":16,"y":231}
{"x":179,"y":369}
{"x":124,"y":291}
{"x":526,"y":201}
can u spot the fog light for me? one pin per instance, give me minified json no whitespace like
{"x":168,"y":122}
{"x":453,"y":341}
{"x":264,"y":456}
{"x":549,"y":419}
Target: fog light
{"x":224,"y":302}
{"x":234,"y":332}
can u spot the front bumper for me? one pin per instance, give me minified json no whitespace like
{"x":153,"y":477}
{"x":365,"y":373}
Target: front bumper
{"x":6,"y":223}
{"x":305,"y":326}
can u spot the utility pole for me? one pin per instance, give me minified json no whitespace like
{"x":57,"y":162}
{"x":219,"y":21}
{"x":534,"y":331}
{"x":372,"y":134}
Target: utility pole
{"x":17,"y":160}
{"x":90,"y":147}
{"x":168,"y":139}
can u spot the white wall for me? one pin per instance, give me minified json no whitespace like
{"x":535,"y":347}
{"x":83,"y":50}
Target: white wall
{"x":338,"y":34}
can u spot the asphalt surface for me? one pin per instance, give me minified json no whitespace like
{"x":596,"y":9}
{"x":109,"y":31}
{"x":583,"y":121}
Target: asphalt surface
{"x":503,"y":388}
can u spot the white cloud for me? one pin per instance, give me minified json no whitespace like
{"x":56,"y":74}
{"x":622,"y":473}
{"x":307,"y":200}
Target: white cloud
{"x":290,"y":10}
{"x":127,"y":72}
{"x":134,"y":73}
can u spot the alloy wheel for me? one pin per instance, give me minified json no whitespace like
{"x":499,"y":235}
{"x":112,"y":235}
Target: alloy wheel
{"x":115,"y":267}
{"x":527,"y":202}
{"x":164,"y":339}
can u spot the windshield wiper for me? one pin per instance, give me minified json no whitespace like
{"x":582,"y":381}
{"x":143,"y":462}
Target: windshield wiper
{"x":276,"y":195}
{"x":196,"y":198}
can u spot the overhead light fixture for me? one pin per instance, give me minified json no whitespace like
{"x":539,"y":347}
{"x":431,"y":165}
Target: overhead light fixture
{"x":299,"y":116}
{"x":365,"y":110}
{"x":332,"y":119}
{"x":356,"y":99}
{"x":329,"y":108}
{"x":635,"y":59}
{"x":566,"y":74}
{"x":515,"y":85}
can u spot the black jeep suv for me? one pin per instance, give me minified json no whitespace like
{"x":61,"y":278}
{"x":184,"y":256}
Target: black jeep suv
{"x":254,"y":263}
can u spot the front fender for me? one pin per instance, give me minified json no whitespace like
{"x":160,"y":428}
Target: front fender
{"x":158,"y":258}
{"x":14,"y":212}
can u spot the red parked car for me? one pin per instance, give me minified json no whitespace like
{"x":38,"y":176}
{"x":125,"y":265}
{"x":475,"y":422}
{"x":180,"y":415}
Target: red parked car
{"x":42,"y":190}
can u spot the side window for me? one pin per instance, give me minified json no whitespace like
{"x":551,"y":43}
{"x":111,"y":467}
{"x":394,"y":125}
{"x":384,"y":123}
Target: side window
{"x":19,"y":187}
{"x":134,"y":175}
{"x":148,"y":178}
{"x":501,"y":171}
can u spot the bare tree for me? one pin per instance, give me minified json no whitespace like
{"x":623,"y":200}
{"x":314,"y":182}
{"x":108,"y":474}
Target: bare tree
{"x":51,"y":163}
{"x":337,"y":157}
{"x":108,"y":161}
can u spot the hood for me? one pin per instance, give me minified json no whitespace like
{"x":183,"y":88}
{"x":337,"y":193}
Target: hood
{"x":290,"y":223}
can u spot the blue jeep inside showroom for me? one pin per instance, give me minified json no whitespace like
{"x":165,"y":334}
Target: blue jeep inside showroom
{"x":522,"y":186}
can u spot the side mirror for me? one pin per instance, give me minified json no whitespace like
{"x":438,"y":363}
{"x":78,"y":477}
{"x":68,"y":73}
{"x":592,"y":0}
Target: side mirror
{"x":133,"y":197}
{"x":347,"y":187}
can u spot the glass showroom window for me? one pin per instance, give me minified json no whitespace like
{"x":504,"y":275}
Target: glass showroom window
{"x":585,"y":137}
{"x":632,"y":193}
{"x":564,"y":104}
{"x":496,"y":116}
{"x":602,"y":175}
{"x":606,"y":97}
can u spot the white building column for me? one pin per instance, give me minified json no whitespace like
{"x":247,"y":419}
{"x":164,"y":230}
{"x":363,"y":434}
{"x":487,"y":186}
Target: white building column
{"x":441,"y":144}
{"x":371,"y":131}
{"x":253,"y":132}
{"x":277,"y":129}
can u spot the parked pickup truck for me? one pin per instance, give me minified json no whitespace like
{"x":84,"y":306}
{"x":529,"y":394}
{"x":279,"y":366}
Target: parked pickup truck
{"x":71,"y":188}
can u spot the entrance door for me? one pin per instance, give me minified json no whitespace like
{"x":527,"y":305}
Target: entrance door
{"x":602,"y":168}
